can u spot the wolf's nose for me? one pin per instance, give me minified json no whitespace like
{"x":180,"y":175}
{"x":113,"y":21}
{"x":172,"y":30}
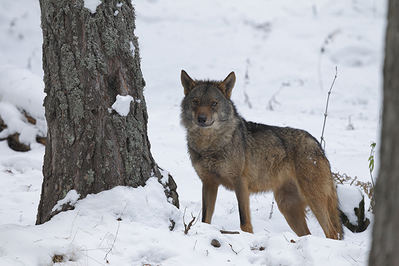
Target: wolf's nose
{"x":201,"y":119}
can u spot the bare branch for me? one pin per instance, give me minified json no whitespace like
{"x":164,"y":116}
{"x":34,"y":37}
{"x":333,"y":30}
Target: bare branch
{"x":229,"y":232}
{"x":113,"y":243}
{"x":271,"y":210}
{"x":322,"y":141}
{"x":119,"y":219}
{"x":231,"y":246}
{"x":190,"y":224}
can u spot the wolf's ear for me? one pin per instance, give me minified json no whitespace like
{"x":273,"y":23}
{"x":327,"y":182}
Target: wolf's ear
{"x":226,"y":86}
{"x":187,"y":82}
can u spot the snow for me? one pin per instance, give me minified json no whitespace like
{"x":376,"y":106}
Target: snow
{"x":349,"y":198}
{"x":130,"y":227}
{"x":122,"y":104}
{"x":21,"y":90}
{"x":92,"y":5}
{"x":132,"y":49}
{"x":89,"y":230}
{"x":70,"y":198}
{"x":165,"y":176}
{"x":274,"y":48}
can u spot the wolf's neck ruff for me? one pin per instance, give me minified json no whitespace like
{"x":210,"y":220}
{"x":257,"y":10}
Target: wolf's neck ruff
{"x":208,"y":139}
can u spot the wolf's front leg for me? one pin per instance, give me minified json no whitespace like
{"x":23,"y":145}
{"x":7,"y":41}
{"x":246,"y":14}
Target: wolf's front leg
{"x":242,"y":195}
{"x":209,"y":193}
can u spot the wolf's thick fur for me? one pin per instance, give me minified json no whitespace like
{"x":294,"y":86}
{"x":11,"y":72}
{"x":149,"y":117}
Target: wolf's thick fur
{"x":248,"y":157}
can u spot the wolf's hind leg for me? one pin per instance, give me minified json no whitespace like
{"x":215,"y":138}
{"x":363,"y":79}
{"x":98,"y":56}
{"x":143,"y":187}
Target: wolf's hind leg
{"x":326,"y":212}
{"x":324,"y":206}
{"x":319,"y":190}
{"x":209,"y":193}
{"x":292,"y":205}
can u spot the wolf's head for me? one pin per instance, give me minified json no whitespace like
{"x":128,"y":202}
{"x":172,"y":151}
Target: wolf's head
{"x":207,"y":103}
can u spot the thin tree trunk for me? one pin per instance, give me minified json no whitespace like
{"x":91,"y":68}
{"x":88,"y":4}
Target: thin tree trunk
{"x":385,"y":243}
{"x":88,"y":59}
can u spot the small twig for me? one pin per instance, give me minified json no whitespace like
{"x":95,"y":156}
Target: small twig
{"x":261,"y":248}
{"x":246,"y":82}
{"x":113,"y":243}
{"x":92,"y":249}
{"x":231,"y":246}
{"x":322,"y":141}
{"x":353,"y":181}
{"x":367,"y":187}
{"x":285,"y":238}
{"x":371,"y":168}
{"x":188,"y":227}
{"x":272,"y":101}
{"x":371,"y":160}
{"x":195,"y":244}
{"x":84,"y":252}
{"x":190,"y":224}
{"x":197,"y":216}
{"x":352,"y":258}
{"x":73,"y":224}
{"x":116,"y":234}
{"x":229,"y":232}
{"x":184,"y":215}
{"x":271,"y":210}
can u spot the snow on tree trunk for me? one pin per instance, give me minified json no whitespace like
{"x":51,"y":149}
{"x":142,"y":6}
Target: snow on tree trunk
{"x":90,"y":57}
{"x":385,"y":243}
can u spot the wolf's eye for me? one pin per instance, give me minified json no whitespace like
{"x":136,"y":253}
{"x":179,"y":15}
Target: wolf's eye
{"x":195,"y":101}
{"x":214,"y":103}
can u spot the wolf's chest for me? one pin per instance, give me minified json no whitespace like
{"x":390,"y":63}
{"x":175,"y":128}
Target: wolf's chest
{"x":222,"y":167}
{"x":209,"y":162}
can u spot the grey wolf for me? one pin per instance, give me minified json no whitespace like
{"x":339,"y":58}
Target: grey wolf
{"x":248,"y":157}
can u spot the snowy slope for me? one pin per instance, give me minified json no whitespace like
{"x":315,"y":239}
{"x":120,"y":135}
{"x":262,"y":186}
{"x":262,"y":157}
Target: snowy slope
{"x":274,"y":47}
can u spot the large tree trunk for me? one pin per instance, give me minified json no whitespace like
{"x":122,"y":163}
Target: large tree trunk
{"x":385,"y":245}
{"x":88,"y":59}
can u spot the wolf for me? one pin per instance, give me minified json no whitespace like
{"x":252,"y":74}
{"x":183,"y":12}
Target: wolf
{"x":248,"y":157}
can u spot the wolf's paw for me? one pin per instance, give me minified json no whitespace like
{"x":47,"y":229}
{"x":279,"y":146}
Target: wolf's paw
{"x":247,"y":228}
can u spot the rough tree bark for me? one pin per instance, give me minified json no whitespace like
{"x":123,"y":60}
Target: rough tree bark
{"x":88,"y":59}
{"x":385,"y":243}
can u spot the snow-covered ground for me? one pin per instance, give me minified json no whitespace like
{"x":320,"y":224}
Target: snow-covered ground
{"x":284,"y":54}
